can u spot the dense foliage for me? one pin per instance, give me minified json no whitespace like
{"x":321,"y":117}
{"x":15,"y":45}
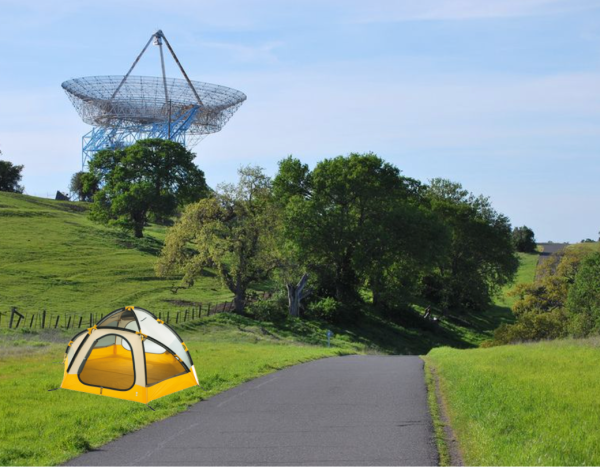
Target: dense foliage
{"x":84,"y":186}
{"x":524,"y":239}
{"x":10,"y":176}
{"x":564,"y":301}
{"x":480,"y":258}
{"x":357,"y":224}
{"x":152,"y":177}
{"x":233,"y":231}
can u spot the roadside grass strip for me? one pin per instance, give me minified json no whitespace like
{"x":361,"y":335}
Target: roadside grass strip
{"x":528,"y":404}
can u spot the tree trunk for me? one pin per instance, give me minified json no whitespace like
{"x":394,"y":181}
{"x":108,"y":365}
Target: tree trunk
{"x":376,"y":290}
{"x":138,"y":229}
{"x":295,"y":295}
{"x":239,"y":304}
{"x":239,"y":300}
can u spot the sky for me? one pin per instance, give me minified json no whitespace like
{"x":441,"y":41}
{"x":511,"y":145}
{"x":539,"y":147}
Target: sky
{"x":502,"y":96}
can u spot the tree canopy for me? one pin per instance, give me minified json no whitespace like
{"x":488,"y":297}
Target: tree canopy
{"x":84,"y":186}
{"x":233,"y":231}
{"x":351,"y":221}
{"x":481,"y":256}
{"x":151,"y":177}
{"x":10,"y":176}
{"x":524,"y":239}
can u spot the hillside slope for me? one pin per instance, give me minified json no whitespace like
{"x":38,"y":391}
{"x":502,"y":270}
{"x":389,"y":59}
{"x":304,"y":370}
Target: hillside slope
{"x":52,"y":256}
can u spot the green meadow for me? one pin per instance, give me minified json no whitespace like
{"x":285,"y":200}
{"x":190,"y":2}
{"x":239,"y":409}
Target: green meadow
{"x":528,"y":404}
{"x":53,"y":257}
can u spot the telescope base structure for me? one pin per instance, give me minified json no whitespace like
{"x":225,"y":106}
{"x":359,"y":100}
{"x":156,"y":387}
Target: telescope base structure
{"x":100,"y":138}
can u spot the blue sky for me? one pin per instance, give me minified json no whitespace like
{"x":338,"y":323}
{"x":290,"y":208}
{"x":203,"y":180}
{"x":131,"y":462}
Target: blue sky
{"x":502,"y":96}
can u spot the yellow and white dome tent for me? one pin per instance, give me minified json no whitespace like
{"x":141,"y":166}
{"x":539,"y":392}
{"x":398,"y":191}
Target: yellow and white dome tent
{"x":130,"y":354}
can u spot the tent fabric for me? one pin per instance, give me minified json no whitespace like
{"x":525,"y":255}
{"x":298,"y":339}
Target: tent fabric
{"x":131,"y":355}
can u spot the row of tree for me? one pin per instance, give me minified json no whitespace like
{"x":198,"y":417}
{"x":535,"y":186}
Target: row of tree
{"x":563,"y":301}
{"x":358,"y":227}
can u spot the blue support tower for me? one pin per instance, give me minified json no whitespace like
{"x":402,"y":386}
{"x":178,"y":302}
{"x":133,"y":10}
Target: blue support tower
{"x":114,"y":137}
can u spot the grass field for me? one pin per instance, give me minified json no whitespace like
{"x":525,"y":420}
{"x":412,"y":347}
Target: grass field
{"x":52,"y":256}
{"x":531,"y":404}
{"x":47,"y":428}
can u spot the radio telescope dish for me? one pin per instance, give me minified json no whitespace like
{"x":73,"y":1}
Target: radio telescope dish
{"x":125,"y":109}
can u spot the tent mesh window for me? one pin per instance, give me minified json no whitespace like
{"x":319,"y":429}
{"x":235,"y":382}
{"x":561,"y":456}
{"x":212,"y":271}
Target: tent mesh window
{"x":124,"y":320}
{"x":160,"y":363}
{"x":109,"y":364}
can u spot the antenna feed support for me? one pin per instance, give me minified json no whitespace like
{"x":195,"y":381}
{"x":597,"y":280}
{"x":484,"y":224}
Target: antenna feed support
{"x":158,"y":35}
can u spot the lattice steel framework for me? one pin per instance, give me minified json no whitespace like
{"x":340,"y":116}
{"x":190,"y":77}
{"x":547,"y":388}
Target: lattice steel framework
{"x":124,"y":109}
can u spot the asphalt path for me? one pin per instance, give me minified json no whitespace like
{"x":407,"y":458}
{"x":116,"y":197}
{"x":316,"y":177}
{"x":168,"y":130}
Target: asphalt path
{"x":353,"y":410}
{"x":549,"y":249}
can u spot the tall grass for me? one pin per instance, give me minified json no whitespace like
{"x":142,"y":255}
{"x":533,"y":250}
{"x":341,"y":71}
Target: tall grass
{"x":530,"y":404}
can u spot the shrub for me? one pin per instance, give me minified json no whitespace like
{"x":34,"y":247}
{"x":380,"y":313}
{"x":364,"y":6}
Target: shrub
{"x":583,"y":299}
{"x":328,"y":309}
{"x":274,"y":309}
{"x":533,"y":327}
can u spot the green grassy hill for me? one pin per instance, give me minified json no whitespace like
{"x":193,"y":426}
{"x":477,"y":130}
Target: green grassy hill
{"x":52,"y":256}
{"x":528,"y":404}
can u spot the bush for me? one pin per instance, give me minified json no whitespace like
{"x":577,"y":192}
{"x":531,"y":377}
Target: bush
{"x":327,"y":309}
{"x":533,"y":327}
{"x":583,"y":299}
{"x":274,"y":309}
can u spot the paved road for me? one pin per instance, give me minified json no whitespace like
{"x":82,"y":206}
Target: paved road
{"x":354,"y":410}
{"x":549,"y":248}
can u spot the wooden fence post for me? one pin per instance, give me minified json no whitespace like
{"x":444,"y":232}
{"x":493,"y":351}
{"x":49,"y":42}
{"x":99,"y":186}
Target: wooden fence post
{"x":43,"y":318}
{"x":69,"y":322}
{"x":57,"y":319}
{"x":31,"y":323}
{"x":12,"y":315}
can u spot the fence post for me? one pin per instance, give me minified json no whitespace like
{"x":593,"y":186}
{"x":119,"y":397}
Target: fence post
{"x":69,"y":322}
{"x":31,"y":323}
{"x":168,"y":316}
{"x":12,"y":315}
{"x":177,"y":318}
{"x":80,"y":320}
{"x":200,"y":310}
{"x":43,"y":318}
{"x":208,"y":310}
{"x":57,"y":319}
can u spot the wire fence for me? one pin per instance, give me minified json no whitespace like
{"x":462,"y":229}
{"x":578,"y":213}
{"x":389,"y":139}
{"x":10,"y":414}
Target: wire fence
{"x":16,"y":318}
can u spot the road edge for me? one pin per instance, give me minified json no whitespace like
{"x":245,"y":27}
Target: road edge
{"x":447,"y":444}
